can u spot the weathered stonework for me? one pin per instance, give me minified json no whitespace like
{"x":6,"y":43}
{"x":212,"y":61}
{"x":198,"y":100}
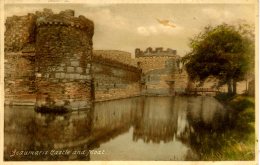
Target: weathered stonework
{"x":48,"y":58}
{"x":114,"y":79}
{"x":63,"y":52}
{"x":20,"y":32}
{"x":49,"y":63}
{"x":116,"y":55}
{"x":20,"y":60}
{"x":162,"y":72}
{"x":149,"y":52}
{"x":19,"y":78}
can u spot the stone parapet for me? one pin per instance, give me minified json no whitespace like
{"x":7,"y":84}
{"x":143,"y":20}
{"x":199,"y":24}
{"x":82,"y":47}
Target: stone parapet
{"x":114,"y":63}
{"x":116,"y":55}
{"x":66,"y":18}
{"x":156,"y":52}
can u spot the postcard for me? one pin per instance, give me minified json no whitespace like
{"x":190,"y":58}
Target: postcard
{"x":137,"y":82}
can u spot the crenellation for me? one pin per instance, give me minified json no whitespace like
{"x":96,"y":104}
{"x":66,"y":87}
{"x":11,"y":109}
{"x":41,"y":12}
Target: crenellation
{"x":161,"y":71}
{"x":149,"y":52}
{"x":59,"y":48}
{"x":50,"y":62}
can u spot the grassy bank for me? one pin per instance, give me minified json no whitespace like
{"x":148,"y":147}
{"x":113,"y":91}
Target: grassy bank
{"x":237,"y":141}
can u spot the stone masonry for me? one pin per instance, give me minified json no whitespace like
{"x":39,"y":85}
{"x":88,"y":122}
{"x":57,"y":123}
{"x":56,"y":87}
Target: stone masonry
{"x":63,"y":61}
{"x":162,"y":72}
{"x":20,"y":60}
{"x":48,"y":60}
{"x":114,"y":76}
{"x":157,"y":52}
{"x":49,"y":63}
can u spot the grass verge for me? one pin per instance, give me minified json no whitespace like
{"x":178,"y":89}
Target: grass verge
{"x":237,"y":140}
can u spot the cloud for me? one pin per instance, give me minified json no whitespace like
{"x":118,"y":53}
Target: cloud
{"x":106,"y":18}
{"x":21,"y":10}
{"x":147,"y":30}
{"x":143,"y":31}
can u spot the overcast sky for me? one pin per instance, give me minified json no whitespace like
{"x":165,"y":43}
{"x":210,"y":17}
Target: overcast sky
{"x":129,"y":26}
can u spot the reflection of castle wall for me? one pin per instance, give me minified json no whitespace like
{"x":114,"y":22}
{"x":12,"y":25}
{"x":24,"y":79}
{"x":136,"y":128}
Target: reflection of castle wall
{"x":18,"y":126}
{"x":180,"y":109}
{"x":61,"y":132}
{"x":155,"y":122}
{"x":162,"y":119}
{"x":206,"y":111}
{"x":154,"y":119}
{"x":109,"y":119}
{"x":114,"y":79}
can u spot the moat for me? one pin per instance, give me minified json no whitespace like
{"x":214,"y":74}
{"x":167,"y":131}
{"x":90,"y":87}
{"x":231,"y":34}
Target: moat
{"x":139,"y":128}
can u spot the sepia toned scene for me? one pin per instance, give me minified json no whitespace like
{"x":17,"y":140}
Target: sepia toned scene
{"x":169,"y":82}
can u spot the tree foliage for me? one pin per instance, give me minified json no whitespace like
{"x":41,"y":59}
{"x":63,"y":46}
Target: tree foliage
{"x":225,"y":52}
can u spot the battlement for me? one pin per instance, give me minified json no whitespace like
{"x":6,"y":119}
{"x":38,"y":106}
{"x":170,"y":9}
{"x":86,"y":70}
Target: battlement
{"x":156,"y":52}
{"x":20,"y":30}
{"x":64,"y":18}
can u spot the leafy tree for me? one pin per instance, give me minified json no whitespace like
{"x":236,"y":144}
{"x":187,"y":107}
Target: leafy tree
{"x":225,"y":52}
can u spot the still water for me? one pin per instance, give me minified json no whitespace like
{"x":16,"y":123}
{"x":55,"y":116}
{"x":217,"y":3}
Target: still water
{"x":140,"y":128}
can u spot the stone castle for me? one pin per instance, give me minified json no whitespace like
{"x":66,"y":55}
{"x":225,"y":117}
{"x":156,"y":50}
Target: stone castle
{"x":50,"y":63}
{"x":162,"y":72}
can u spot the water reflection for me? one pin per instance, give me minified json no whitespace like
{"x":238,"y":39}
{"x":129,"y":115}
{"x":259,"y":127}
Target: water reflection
{"x":141,"y":128}
{"x":63,"y":132}
{"x":155,"y":121}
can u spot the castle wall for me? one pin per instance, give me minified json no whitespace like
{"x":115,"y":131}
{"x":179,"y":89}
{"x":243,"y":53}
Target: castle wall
{"x":48,"y":58}
{"x":114,"y":80}
{"x":19,"y":78}
{"x":19,"y":32}
{"x":151,"y":63}
{"x":165,"y":82}
{"x":48,"y":62}
{"x":63,"y":60}
{"x":162,"y":72}
{"x":19,"y":60}
{"x":116,"y":55}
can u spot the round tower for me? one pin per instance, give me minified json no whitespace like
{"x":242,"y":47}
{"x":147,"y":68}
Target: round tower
{"x":63,"y":62}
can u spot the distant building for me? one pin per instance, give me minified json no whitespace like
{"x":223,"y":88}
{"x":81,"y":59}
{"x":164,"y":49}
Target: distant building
{"x":162,"y":72}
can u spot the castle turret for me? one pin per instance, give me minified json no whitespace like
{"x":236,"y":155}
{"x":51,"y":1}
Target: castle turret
{"x":63,"y":67}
